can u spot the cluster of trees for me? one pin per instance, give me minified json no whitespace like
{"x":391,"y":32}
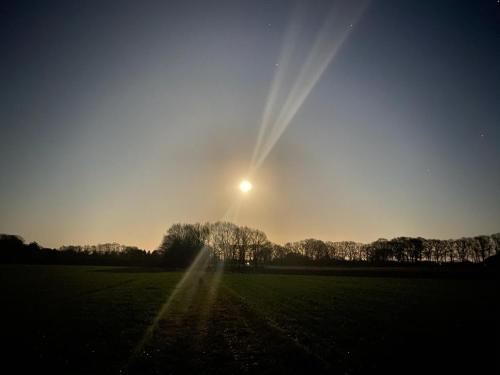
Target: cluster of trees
{"x":406,"y":249}
{"x":233,"y":244}
{"x":243,"y":246}
{"x":401,"y":249}
{"x":240,"y":246}
{"x":13,"y":249}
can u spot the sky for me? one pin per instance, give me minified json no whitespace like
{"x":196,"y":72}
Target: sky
{"x":118,"y":119}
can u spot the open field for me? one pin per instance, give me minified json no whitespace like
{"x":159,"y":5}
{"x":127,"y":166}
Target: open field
{"x":79,"y":319}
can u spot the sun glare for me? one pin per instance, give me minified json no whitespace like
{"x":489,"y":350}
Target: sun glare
{"x":245,"y":186}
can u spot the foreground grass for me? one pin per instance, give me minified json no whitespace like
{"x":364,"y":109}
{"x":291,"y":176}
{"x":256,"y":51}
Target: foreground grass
{"x":78,"y":319}
{"x":362,"y":324}
{"x":81,"y":319}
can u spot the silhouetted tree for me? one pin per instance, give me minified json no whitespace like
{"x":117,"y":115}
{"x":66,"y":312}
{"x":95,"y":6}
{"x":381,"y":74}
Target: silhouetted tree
{"x":182,"y":243}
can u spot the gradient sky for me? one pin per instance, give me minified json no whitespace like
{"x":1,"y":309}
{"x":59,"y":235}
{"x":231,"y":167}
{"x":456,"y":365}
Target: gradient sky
{"x":118,"y":119}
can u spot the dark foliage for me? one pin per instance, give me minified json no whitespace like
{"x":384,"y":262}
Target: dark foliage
{"x":242,"y":247}
{"x":181,"y":244}
{"x":13,"y":249}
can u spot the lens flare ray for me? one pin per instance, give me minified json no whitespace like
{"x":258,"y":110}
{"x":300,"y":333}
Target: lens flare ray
{"x":332,"y":35}
{"x":278,"y":80}
{"x":329,"y":39}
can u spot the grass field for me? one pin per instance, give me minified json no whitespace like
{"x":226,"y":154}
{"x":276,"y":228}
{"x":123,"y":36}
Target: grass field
{"x":79,"y":319}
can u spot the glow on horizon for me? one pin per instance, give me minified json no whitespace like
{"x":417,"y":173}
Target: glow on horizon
{"x":348,"y":131}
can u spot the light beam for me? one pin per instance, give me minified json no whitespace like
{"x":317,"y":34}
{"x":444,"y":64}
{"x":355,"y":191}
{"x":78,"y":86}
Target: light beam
{"x":332,"y":35}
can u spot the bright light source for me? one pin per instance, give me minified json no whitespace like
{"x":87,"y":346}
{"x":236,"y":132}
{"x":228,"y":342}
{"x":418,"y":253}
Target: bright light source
{"x":245,"y":186}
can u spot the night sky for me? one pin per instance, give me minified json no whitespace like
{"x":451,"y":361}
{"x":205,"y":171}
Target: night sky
{"x":120,"y":118}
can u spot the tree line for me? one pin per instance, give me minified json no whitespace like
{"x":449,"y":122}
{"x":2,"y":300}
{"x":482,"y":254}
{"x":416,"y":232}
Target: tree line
{"x":243,"y":247}
{"x":13,"y":249}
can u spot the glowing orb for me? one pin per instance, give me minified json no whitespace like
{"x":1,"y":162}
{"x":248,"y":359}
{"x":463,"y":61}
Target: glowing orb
{"x":245,"y":186}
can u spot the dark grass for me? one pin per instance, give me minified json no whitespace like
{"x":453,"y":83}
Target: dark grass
{"x":457,"y":271}
{"x":366,"y":324}
{"x":80,"y":319}
{"x":77,"y":319}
